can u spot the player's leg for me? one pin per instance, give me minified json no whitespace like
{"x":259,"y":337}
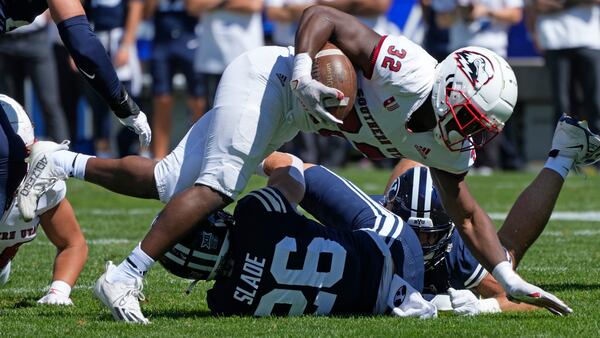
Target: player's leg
{"x":162,"y":76}
{"x":161,"y":125}
{"x":213,"y":164}
{"x":573,"y":145}
{"x":197,"y":96}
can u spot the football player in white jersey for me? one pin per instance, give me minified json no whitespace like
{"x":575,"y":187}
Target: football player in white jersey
{"x":53,"y":211}
{"x":268,"y":94}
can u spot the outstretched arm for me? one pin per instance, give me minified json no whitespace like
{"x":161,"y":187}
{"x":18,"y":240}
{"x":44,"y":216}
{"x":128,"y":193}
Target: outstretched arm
{"x":478,"y":232}
{"x":63,"y":231}
{"x":286,"y":173}
{"x":95,"y":65}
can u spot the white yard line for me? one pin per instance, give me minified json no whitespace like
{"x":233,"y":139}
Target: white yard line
{"x":581,"y":216}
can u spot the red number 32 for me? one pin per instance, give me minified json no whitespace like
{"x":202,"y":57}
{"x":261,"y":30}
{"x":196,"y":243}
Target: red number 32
{"x":392,"y":63}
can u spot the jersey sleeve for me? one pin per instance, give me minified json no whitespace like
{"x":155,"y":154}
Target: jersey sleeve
{"x":402,"y":64}
{"x":336,"y":202}
{"x":52,"y":197}
{"x":465,"y":272}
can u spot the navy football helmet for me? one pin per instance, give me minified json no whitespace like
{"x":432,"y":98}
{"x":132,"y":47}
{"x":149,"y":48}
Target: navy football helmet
{"x":202,"y":254}
{"x":413,"y":197}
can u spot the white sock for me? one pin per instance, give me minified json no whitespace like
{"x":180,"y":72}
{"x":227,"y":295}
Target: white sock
{"x":133,"y":267}
{"x":72,"y":163}
{"x":560,"y":164}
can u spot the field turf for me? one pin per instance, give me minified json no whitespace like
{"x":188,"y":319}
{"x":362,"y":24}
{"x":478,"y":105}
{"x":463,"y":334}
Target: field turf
{"x":565,"y":261}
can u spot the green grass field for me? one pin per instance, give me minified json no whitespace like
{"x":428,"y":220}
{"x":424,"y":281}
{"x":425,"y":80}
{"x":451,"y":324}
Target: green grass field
{"x":564,"y":261}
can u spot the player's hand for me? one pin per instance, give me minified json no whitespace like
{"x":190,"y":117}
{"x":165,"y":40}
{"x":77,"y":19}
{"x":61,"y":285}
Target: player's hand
{"x":55,"y":298}
{"x":405,"y":301}
{"x":519,"y":290}
{"x":139,"y":124}
{"x":465,"y":303}
{"x":311,"y":93}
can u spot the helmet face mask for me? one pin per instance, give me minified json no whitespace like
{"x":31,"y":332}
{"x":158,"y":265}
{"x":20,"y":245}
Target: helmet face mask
{"x":473,"y":95}
{"x":413,"y":198}
{"x":464,"y":122}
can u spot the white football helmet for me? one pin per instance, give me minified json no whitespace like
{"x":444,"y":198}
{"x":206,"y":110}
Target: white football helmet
{"x":474,"y":94}
{"x":18,"y":118}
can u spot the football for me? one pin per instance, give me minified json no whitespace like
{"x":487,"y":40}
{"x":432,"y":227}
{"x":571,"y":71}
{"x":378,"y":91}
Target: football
{"x":333,"y":69}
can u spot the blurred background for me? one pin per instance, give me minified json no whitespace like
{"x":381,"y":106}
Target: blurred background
{"x":170,"y":54}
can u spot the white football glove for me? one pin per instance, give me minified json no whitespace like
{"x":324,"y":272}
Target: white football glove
{"x":310,"y":92}
{"x":464,"y":302}
{"x":57,"y":295}
{"x":139,"y":124}
{"x":519,"y":290}
{"x":406,"y":301}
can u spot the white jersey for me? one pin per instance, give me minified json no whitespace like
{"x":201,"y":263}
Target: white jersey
{"x":575,"y":27}
{"x":401,"y":80}
{"x":483,"y":32}
{"x":14,"y":231}
{"x":225,"y":35}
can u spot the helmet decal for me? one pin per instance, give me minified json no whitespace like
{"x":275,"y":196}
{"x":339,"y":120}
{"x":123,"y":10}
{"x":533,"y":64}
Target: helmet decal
{"x":413,"y":197}
{"x":478,"y":69}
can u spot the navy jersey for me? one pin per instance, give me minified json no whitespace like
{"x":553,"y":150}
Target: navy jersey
{"x":287,"y":264}
{"x":171,"y":21}
{"x":107,"y":14}
{"x":459,"y":269}
{"x":338,"y":203}
{"x":16,"y":13}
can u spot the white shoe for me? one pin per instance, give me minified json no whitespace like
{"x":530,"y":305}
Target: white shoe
{"x":41,"y":176}
{"x":121,"y":298}
{"x":573,"y":138}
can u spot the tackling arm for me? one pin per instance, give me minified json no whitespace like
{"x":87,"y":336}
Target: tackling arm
{"x":474,"y":225}
{"x":477,"y":230}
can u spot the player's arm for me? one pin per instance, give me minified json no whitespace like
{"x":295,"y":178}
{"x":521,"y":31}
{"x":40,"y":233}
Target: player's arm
{"x":286,"y":173}
{"x":95,"y":65}
{"x":63,"y":231}
{"x":478,"y":232}
{"x":149,"y":8}
{"x":318,"y":25}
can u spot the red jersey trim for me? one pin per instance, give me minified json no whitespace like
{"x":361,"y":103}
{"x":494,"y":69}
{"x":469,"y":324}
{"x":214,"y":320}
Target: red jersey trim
{"x":374,"y":57}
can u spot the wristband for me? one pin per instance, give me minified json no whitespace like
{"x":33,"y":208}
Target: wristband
{"x":125,"y":107}
{"x":504,"y":274}
{"x":60,"y":288}
{"x":489,"y":305}
{"x":302,"y":67}
{"x":296,"y":170}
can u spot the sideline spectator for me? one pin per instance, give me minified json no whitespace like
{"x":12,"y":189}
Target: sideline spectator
{"x":115,"y":23}
{"x":229,"y":28}
{"x":26,"y":52}
{"x":285,"y":15}
{"x":371,"y":12}
{"x":174,"y":47}
{"x":436,"y":39}
{"x":567,"y":33}
{"x":483,"y":23}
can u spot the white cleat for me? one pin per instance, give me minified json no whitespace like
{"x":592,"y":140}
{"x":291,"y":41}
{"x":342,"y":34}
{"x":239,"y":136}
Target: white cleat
{"x":121,"y":298}
{"x":573,"y":138}
{"x":41,"y":176}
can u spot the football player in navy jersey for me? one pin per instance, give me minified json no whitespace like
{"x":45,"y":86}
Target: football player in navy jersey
{"x":450,"y":266}
{"x":91,"y":60}
{"x":361,"y":258}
